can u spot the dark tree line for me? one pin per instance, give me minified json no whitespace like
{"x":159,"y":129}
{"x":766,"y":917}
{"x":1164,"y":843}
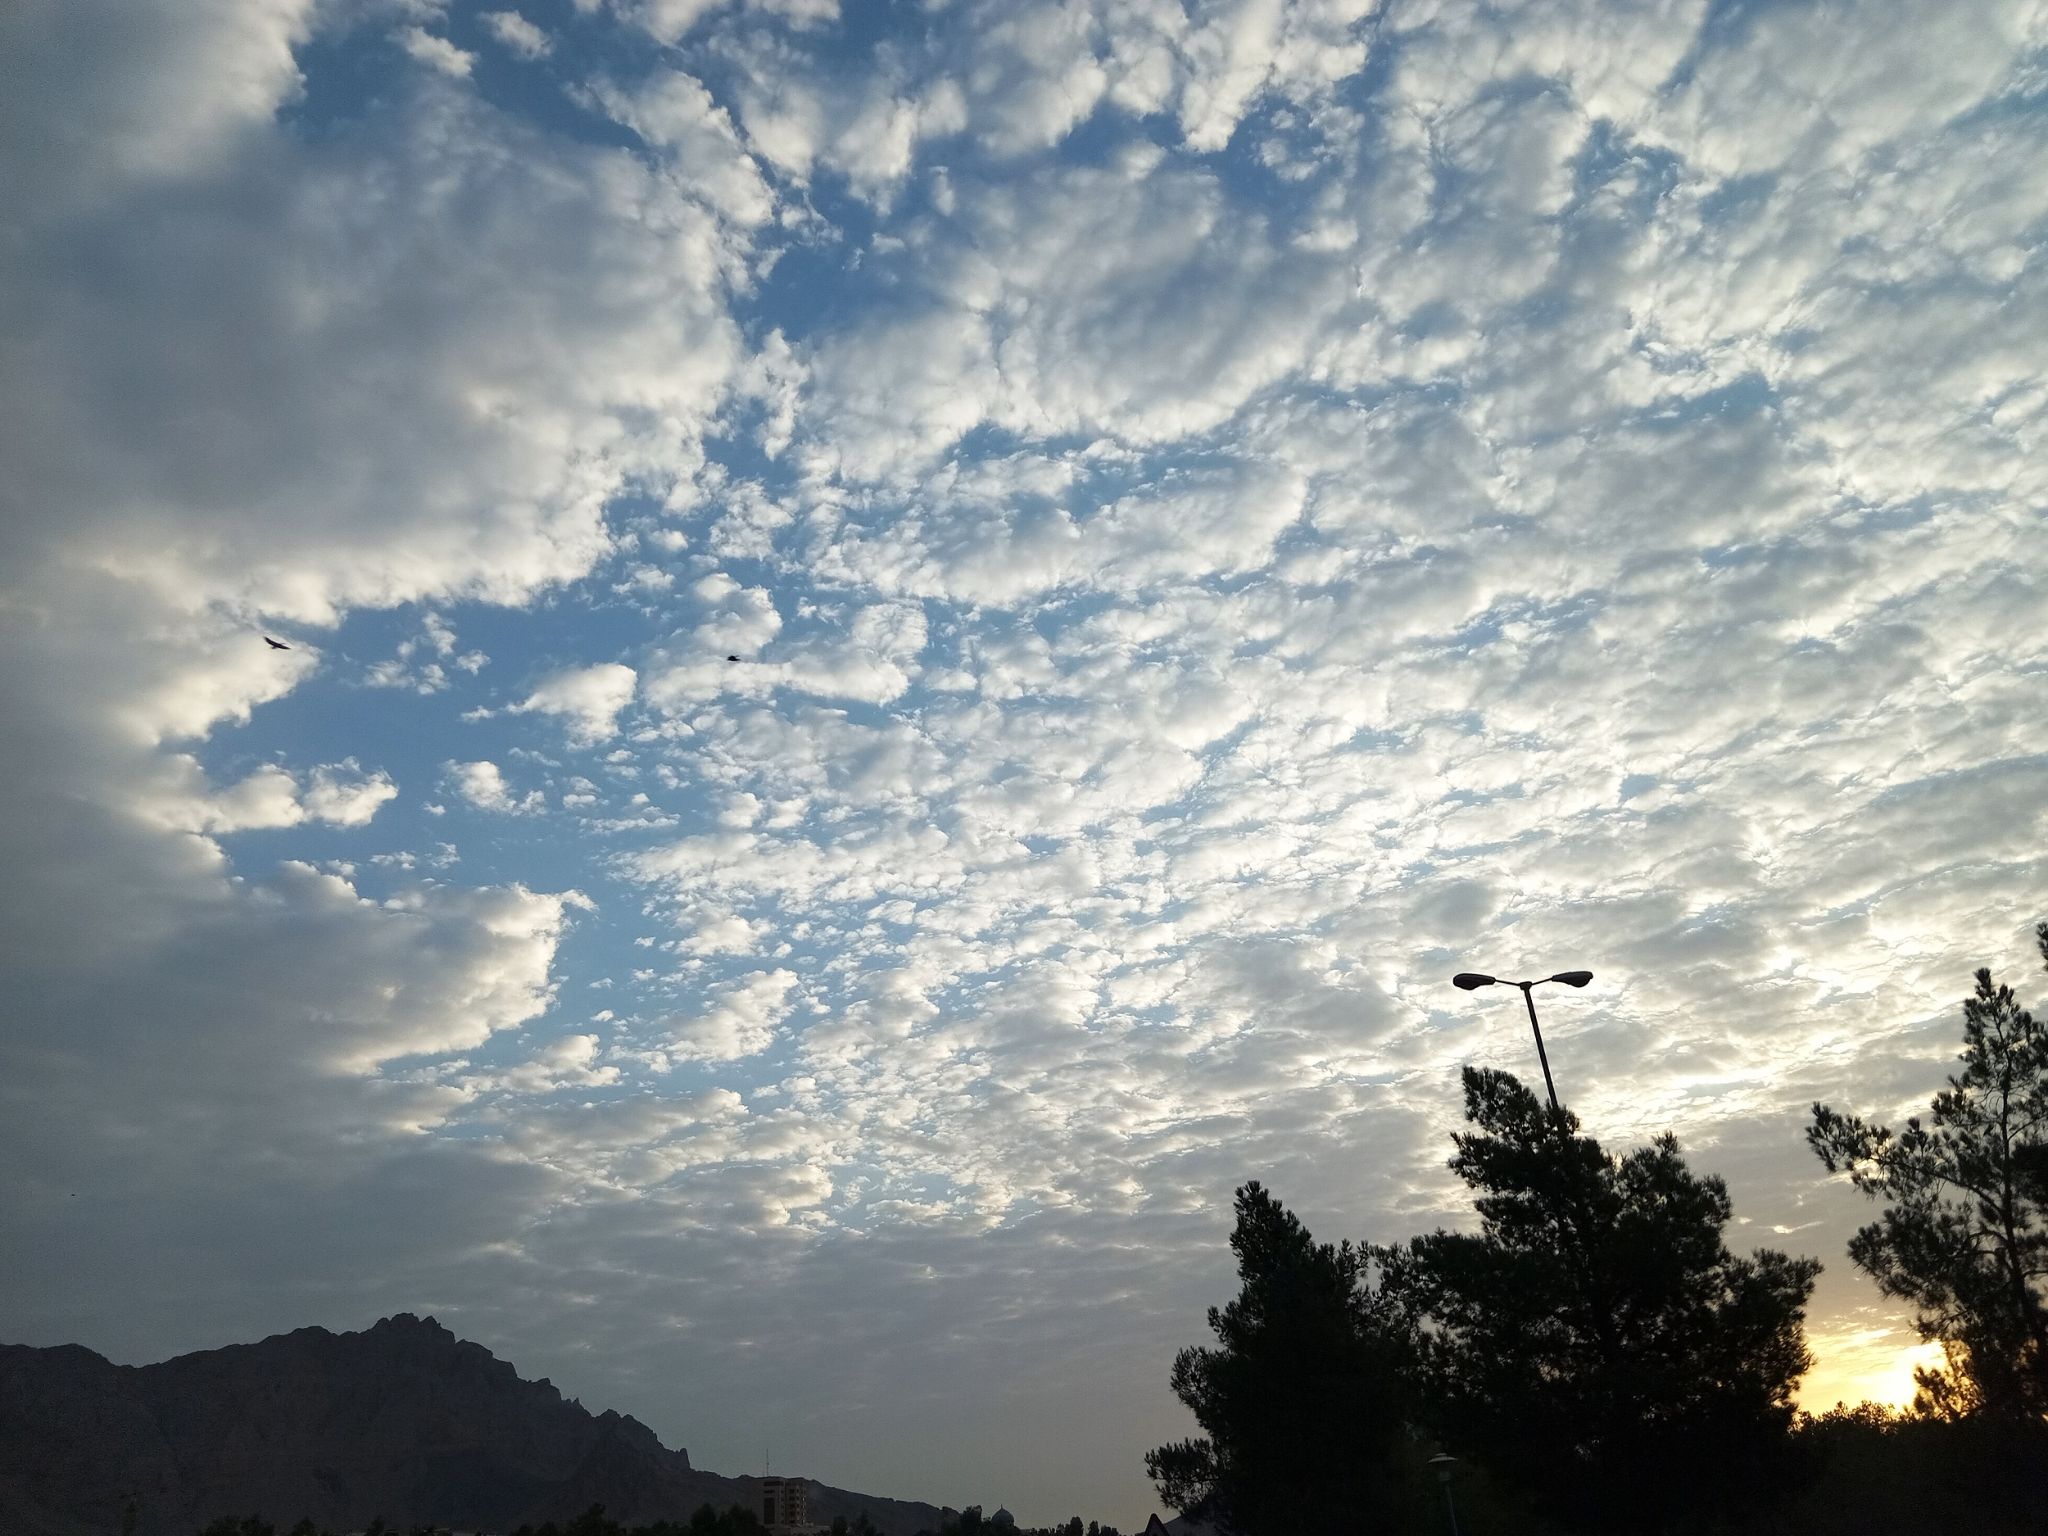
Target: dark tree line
{"x":709,"y":1520}
{"x":1597,"y":1358}
{"x":971,"y":1522}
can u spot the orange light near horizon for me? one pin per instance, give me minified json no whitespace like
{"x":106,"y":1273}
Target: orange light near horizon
{"x":1873,"y":1365}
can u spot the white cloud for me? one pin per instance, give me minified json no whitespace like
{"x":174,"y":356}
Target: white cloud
{"x":422,"y":662}
{"x":741,"y":1020}
{"x":1239,"y":50}
{"x":506,"y":410}
{"x":725,"y":935}
{"x":1782,"y":89}
{"x":675,"y":112}
{"x":436,"y":52}
{"x":340,"y":794}
{"x":865,"y":128}
{"x":343,"y":794}
{"x":518,"y":34}
{"x":568,"y":1061}
{"x":872,"y":656}
{"x":483,"y":785}
{"x":588,"y":699}
{"x":106,"y":90}
{"x":1138,"y":301}
{"x":668,"y":20}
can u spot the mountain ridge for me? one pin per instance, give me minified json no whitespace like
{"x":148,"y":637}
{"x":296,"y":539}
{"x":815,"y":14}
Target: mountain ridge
{"x":401,"y":1420}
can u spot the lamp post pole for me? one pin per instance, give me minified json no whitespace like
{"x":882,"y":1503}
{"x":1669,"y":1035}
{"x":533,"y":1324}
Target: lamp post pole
{"x":1529,"y":997}
{"x":1471,"y":981}
{"x":1443,"y":1465}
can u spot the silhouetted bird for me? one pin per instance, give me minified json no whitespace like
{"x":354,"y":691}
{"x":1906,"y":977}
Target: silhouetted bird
{"x":275,"y":645}
{"x":732,"y":658}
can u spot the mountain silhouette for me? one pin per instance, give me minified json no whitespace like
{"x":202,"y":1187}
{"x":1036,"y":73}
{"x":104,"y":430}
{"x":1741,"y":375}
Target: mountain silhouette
{"x":402,"y":1420}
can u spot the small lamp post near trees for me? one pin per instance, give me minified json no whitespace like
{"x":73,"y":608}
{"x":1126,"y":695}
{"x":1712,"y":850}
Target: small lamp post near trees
{"x":1472,"y":981}
{"x":1443,"y":1464}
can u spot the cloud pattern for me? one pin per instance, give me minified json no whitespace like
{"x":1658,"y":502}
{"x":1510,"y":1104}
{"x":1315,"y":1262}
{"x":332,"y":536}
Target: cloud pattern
{"x":1031,"y":579}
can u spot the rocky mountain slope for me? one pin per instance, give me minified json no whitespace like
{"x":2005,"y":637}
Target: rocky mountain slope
{"x":403,"y":1420}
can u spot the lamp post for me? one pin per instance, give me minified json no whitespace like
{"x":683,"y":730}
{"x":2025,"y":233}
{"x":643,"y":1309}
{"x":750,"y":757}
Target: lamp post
{"x":1443,"y":1464}
{"x":1471,"y":981}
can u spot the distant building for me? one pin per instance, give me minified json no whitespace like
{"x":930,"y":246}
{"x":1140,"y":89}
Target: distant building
{"x":1003,"y":1518}
{"x":785,"y":1504}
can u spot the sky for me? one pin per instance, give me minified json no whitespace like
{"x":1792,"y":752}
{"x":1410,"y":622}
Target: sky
{"x":920,"y":633}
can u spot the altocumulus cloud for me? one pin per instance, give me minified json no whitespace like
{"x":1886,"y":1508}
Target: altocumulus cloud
{"x":1052,"y":570}
{"x":587,"y":699}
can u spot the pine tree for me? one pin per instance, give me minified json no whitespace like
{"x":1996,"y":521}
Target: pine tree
{"x":1964,"y":1235}
{"x":1300,"y":1400}
{"x":1595,"y":1343}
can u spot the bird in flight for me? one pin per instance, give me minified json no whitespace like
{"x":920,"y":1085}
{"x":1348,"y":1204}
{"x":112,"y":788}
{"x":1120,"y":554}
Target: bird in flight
{"x":732,"y":658}
{"x":275,"y":645}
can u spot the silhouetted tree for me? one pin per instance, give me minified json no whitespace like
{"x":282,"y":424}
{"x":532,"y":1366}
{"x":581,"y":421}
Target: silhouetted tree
{"x":1595,"y":1342}
{"x":1964,"y":1236}
{"x":1871,"y":1469}
{"x":1300,"y":1401}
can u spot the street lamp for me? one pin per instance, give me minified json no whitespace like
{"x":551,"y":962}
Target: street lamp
{"x":1443,"y":1464}
{"x":1472,"y":981}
